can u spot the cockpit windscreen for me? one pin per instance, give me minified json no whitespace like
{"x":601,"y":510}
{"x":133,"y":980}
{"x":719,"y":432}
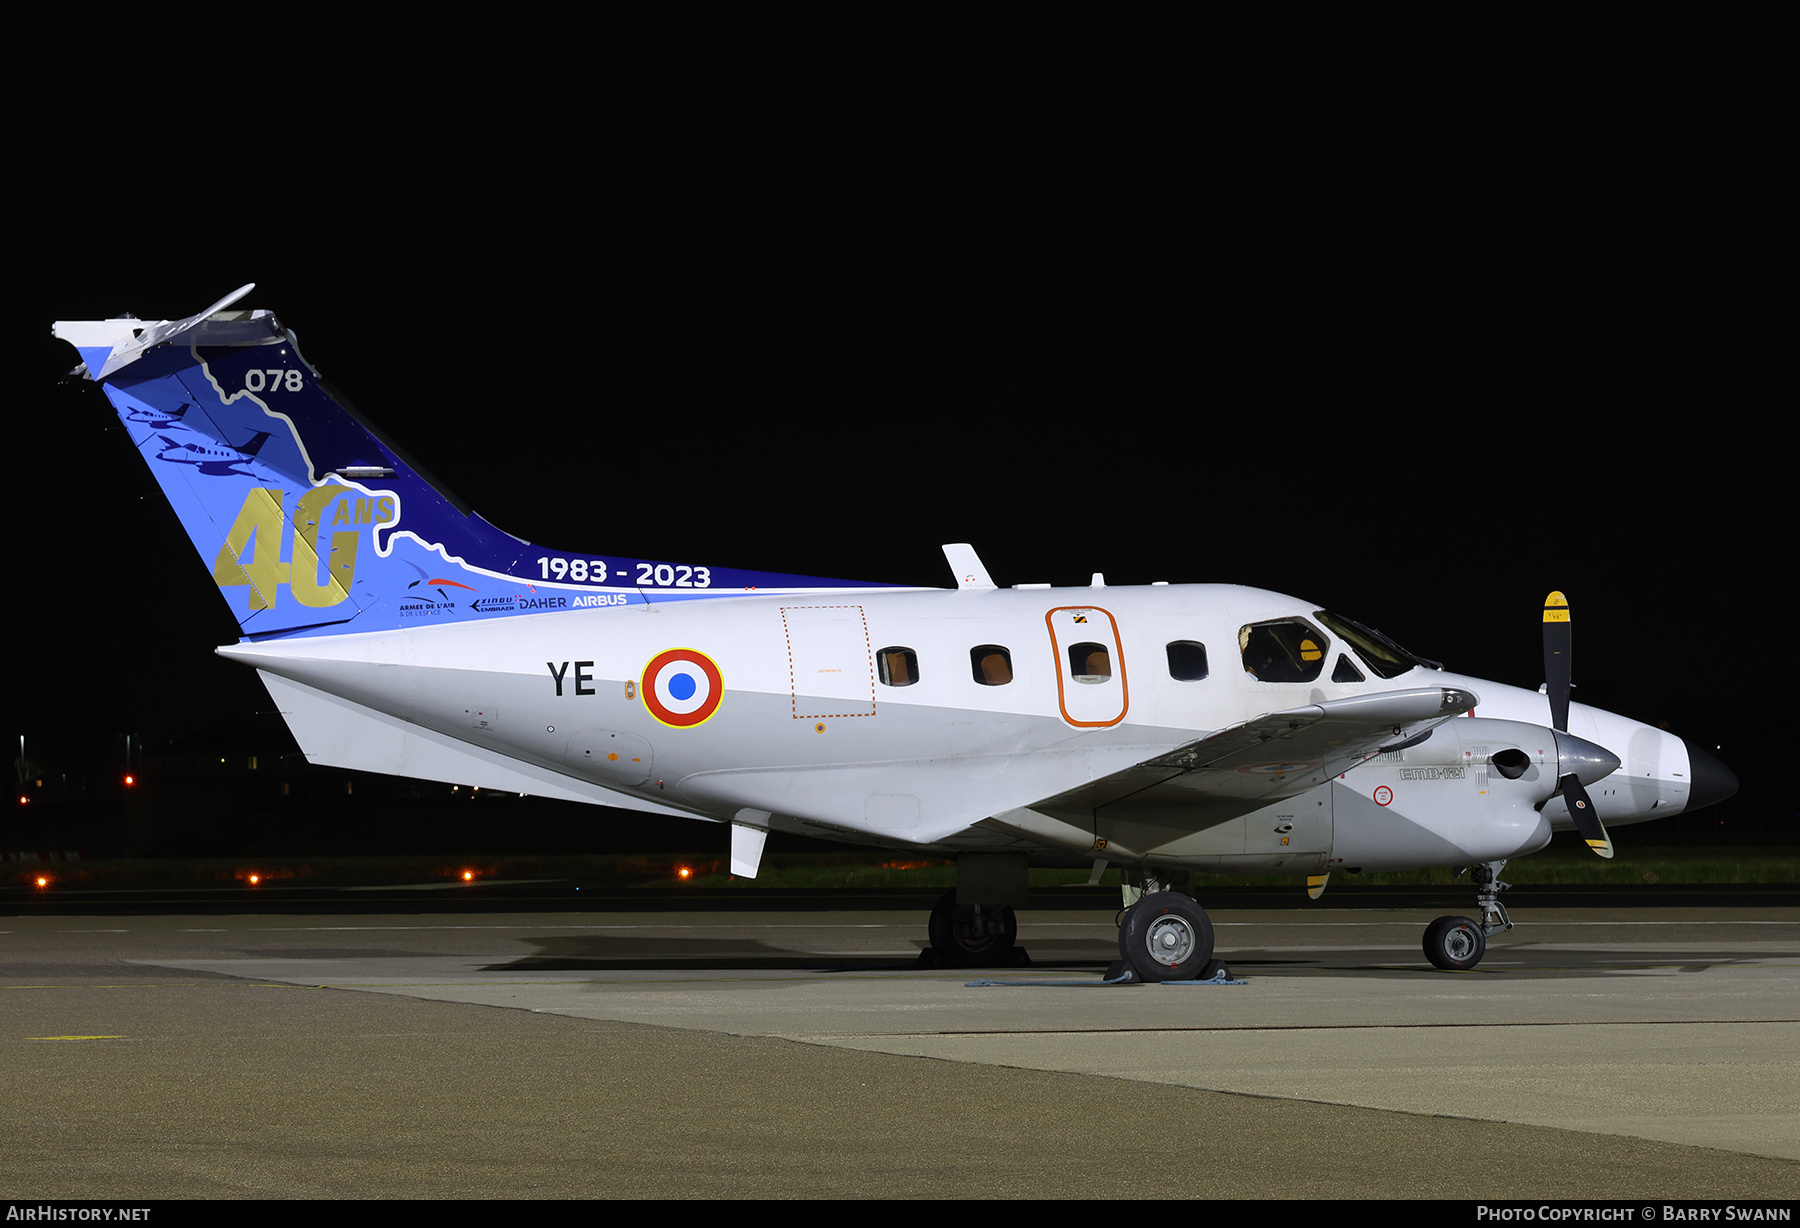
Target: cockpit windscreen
{"x":1377,"y":651}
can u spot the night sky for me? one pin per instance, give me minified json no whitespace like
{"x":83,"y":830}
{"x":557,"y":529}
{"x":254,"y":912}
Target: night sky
{"x":1424,"y":424}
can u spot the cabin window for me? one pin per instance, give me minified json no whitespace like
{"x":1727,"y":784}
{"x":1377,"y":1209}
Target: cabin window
{"x":1187,"y":660}
{"x":1090,"y":663}
{"x":1346,"y":672}
{"x":992,"y":664}
{"x":1292,"y":650}
{"x":897,"y":666}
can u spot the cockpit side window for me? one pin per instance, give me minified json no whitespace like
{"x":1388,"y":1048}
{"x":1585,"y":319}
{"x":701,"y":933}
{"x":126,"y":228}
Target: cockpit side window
{"x":1345,"y":671}
{"x":1291,"y":650}
{"x":1376,"y":650}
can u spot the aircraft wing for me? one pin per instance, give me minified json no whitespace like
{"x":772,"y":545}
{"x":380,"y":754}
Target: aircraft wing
{"x":1234,"y":771}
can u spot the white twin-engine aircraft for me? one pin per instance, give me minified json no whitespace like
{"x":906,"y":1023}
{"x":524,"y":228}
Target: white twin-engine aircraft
{"x":1163,"y":730}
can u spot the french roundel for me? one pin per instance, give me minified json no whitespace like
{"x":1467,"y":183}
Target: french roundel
{"x":682,"y":688}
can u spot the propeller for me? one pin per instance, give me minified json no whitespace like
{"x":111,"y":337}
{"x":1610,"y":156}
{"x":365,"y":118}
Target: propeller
{"x":1571,"y":751}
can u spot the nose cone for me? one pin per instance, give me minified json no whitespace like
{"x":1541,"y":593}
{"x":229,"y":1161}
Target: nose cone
{"x":1709,"y":781}
{"x":1583,"y":759}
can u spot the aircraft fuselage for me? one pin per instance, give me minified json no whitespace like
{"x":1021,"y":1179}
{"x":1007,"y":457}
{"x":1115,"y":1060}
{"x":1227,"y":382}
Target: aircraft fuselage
{"x":805,"y":731}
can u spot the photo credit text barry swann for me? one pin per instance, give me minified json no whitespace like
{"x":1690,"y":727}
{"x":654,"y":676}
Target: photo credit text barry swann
{"x":1698,"y":1212}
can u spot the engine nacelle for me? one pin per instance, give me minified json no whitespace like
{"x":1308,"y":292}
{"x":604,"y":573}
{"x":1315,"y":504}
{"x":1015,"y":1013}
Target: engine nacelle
{"x":1471,"y":792}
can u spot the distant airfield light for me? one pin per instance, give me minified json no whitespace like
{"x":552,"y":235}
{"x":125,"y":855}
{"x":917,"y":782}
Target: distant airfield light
{"x":255,"y":879}
{"x":684,"y":872}
{"x":130,"y":779}
{"x":468,"y":876}
{"x":43,"y":880}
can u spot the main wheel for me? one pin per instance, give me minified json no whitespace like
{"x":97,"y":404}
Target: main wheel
{"x":1166,"y":937}
{"x":1454,"y":944}
{"x":969,"y":938}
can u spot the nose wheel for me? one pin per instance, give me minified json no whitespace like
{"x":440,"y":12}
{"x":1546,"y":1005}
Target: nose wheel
{"x":1457,"y":944}
{"x":1454,"y":944}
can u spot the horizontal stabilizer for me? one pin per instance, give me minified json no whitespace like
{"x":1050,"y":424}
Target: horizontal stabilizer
{"x":107,"y":346}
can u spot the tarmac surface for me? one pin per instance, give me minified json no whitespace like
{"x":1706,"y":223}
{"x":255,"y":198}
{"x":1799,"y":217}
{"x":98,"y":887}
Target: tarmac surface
{"x":1595,"y":1053}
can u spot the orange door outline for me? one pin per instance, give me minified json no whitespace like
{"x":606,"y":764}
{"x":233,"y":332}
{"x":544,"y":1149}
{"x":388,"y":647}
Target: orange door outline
{"x":1074,"y":628}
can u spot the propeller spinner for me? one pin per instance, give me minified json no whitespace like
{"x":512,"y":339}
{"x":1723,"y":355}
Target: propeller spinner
{"x":1570,"y":749}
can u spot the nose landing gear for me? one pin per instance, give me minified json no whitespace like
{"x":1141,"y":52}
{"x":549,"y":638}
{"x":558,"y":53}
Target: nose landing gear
{"x":1457,"y":944}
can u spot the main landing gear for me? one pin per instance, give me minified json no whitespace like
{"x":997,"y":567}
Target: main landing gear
{"x":1164,"y":936}
{"x":1457,"y":944}
{"x":974,"y":935}
{"x":973,"y":925}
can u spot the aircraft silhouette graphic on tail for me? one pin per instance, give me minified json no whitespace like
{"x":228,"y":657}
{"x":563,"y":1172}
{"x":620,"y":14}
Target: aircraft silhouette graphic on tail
{"x":1162,"y":729}
{"x":212,"y":461}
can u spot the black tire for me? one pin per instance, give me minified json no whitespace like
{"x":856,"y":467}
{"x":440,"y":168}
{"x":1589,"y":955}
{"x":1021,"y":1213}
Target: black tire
{"x":1166,"y":937}
{"x":955,"y":938}
{"x":1454,"y":944}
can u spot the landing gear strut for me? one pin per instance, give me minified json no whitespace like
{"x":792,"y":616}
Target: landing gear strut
{"x":1457,"y":944}
{"x":1493,"y":913}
